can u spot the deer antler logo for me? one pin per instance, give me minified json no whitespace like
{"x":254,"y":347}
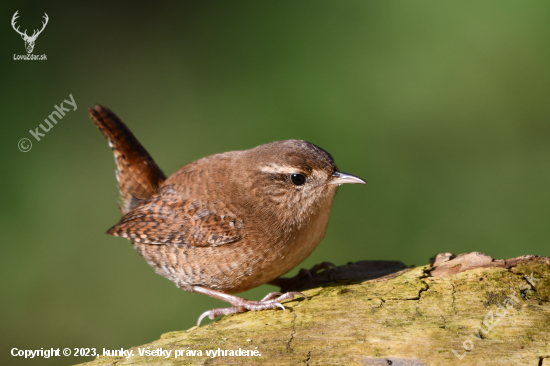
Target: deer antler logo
{"x":29,"y":41}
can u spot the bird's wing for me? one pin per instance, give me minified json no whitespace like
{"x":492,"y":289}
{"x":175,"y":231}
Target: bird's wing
{"x":166,"y":218}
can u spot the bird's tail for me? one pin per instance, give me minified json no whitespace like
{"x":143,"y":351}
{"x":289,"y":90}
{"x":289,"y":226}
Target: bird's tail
{"x":137,"y":174}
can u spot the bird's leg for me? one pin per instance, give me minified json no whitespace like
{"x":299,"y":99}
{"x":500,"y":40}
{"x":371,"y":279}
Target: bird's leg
{"x":240,"y":305}
{"x":288,"y":282}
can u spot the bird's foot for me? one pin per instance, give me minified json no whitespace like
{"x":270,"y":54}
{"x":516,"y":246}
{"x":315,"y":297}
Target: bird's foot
{"x":317,"y":268}
{"x":240,"y":305}
{"x":304,"y":273}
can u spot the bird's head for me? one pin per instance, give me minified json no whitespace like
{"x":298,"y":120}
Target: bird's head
{"x":294,"y":177}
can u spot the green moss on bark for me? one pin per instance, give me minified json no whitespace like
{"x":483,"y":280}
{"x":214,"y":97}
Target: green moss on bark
{"x":411,"y":319}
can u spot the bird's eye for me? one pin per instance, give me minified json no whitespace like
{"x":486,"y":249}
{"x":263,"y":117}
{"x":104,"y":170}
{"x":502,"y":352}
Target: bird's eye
{"x":297,"y":179}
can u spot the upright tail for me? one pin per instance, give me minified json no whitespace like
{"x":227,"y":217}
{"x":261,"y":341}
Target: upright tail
{"x":137,"y":174}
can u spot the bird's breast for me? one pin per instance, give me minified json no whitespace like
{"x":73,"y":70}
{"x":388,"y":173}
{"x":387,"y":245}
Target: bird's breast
{"x":305,"y":239}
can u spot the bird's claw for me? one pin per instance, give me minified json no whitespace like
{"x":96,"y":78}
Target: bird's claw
{"x":314,"y":270}
{"x":271,"y":301}
{"x":325,"y":265}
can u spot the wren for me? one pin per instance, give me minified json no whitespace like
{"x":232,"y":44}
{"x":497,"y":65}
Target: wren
{"x":228,"y":222}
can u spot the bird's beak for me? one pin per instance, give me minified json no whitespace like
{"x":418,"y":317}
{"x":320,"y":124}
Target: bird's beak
{"x":341,"y":178}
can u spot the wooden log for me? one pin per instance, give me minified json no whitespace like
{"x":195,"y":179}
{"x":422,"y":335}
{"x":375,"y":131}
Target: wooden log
{"x":463,"y":310}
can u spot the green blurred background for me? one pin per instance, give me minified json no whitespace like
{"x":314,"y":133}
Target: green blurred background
{"x":443,"y":107}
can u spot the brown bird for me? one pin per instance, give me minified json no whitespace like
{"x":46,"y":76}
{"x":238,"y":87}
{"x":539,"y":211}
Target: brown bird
{"x":228,"y":222}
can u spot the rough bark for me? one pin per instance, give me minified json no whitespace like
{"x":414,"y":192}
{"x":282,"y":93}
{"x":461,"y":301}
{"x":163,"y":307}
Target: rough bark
{"x":463,"y":310}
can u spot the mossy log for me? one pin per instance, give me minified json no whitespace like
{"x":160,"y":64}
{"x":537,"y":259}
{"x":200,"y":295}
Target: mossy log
{"x":463,"y":310}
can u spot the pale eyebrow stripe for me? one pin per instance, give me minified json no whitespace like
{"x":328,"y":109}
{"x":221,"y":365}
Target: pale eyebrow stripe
{"x":274,"y":168}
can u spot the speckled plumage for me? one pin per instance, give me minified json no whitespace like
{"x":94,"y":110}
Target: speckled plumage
{"x":228,"y":222}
